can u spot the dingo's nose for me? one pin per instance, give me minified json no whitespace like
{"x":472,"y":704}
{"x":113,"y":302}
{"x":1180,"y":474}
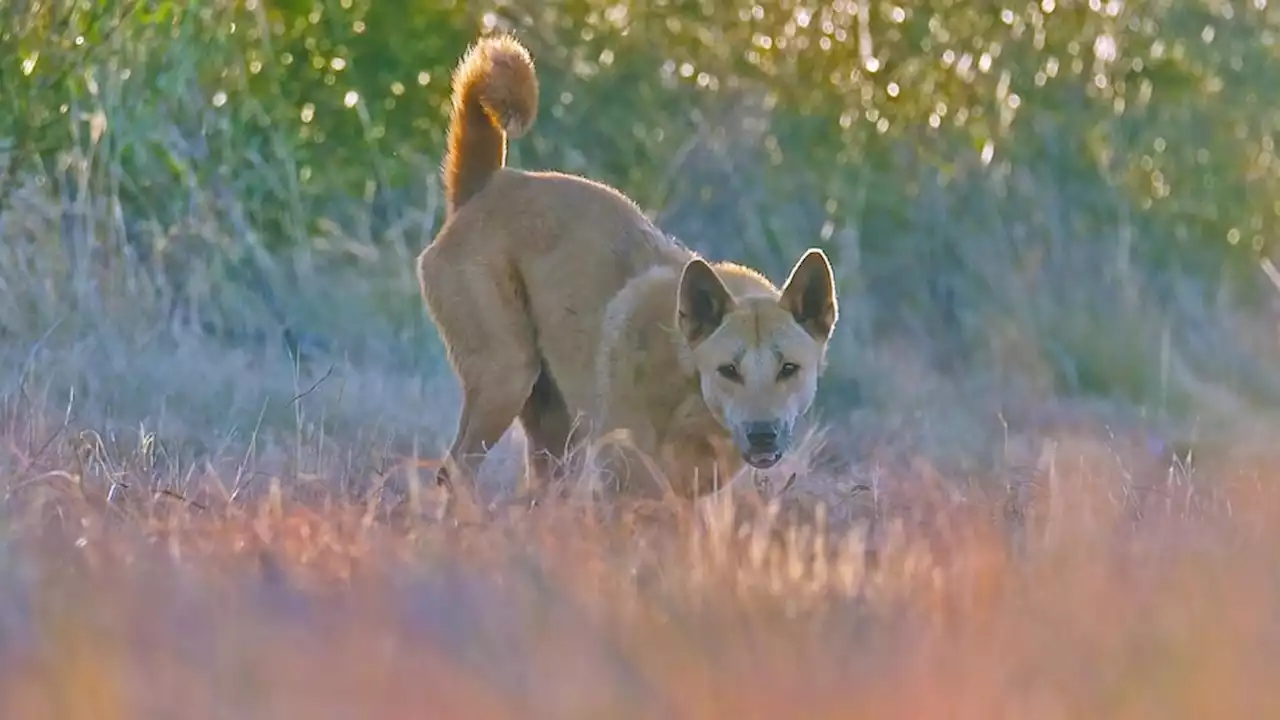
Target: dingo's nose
{"x":762,"y":437}
{"x":763,"y":442}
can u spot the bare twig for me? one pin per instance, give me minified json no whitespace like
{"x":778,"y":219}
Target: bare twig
{"x":313,"y":387}
{"x":242,"y":480}
{"x":181,"y":498}
{"x":786,"y":485}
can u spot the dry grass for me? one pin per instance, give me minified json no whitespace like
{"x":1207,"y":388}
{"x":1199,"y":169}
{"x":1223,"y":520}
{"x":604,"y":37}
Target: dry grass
{"x":1125,"y":592}
{"x":192,"y":529}
{"x":195,"y":527}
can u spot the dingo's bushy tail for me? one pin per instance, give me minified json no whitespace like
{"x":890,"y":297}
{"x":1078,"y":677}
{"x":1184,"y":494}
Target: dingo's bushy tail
{"x":495,"y":96}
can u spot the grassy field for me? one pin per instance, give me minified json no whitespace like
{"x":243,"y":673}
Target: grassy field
{"x":199,"y":528}
{"x":1040,"y":483}
{"x":137,"y":586}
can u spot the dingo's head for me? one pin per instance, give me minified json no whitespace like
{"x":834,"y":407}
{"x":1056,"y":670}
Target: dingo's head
{"x":758,"y":355}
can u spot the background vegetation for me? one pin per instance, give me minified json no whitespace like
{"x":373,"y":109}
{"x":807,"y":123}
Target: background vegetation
{"x":1039,"y":200}
{"x":1049,"y":219}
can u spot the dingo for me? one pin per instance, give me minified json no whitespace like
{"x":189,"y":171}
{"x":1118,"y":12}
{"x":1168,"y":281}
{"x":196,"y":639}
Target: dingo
{"x":561,"y":305}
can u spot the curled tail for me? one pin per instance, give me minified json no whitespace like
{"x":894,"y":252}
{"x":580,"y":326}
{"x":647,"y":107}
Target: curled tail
{"x":495,"y":95}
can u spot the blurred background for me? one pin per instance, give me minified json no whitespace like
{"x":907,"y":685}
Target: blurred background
{"x":1040,"y":212}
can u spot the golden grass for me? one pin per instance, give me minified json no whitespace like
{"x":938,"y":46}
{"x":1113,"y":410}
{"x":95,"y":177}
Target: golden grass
{"x":307,"y":579}
{"x":1131,"y":596}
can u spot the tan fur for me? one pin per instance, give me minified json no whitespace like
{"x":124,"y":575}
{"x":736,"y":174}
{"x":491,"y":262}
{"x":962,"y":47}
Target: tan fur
{"x":562,"y":306}
{"x":660,"y":365}
{"x":495,"y":94}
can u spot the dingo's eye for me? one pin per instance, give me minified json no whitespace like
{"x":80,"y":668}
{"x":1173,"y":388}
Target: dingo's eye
{"x":729,"y":372}
{"x":788,"y":369}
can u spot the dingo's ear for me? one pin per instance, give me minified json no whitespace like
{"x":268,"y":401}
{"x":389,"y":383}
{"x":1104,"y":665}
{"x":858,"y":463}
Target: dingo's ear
{"x":810,"y":294}
{"x":704,"y":301}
